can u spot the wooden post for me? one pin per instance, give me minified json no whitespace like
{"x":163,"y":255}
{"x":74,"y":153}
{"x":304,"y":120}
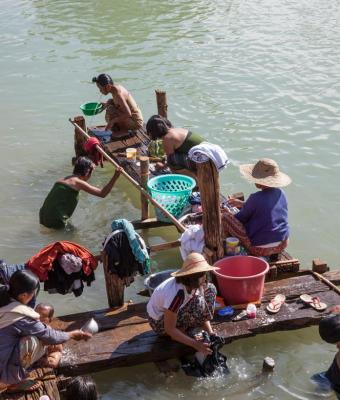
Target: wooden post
{"x":208,"y":183}
{"x":79,"y":138}
{"x":162,"y":105}
{"x":319,"y":266}
{"x":144,"y":177}
{"x":114,"y":285}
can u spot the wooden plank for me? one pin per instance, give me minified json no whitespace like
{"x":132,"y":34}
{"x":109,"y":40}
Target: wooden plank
{"x":165,"y":246}
{"x":128,"y":340}
{"x":149,"y":223}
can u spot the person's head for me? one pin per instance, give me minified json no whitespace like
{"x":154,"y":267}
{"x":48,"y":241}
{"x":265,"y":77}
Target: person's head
{"x":329,"y":329}
{"x":83,"y":167}
{"x":157,"y":127}
{"x":265,"y":174}
{"x":193,"y":272}
{"x":82,"y":388}
{"x":46,"y":312}
{"x":22,"y":287}
{"x":104,"y":83}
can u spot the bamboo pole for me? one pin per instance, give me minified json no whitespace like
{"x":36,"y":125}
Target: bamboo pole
{"x":144,"y":177}
{"x":162,"y":105}
{"x":327,"y":282}
{"x":178,"y":225}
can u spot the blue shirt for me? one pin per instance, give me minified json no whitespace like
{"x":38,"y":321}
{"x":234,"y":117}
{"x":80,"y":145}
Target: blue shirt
{"x":265,"y":216}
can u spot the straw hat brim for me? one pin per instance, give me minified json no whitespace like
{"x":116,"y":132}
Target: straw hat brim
{"x":278,"y":180}
{"x":195,"y":270}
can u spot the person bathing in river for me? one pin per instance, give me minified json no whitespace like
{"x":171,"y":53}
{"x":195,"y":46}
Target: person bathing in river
{"x":176,"y":142}
{"x":23,"y":336}
{"x":184,"y":302}
{"x":262,"y":222}
{"x":122,"y":111}
{"x":62,"y":200}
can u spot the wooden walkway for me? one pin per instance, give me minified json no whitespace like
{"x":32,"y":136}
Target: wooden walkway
{"x":125,"y":337}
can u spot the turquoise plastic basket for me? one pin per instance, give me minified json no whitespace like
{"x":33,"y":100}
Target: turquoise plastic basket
{"x":171,"y":191}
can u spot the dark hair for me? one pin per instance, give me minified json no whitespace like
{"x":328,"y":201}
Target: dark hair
{"x":23,"y":281}
{"x":82,"y":388}
{"x":82,"y":166}
{"x":46,"y":306}
{"x":103,"y":79}
{"x":158,"y":126}
{"x":329,"y":328}
{"x":191,"y":281}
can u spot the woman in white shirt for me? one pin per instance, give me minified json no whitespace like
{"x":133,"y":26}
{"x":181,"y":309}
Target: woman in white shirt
{"x":183,"y":302}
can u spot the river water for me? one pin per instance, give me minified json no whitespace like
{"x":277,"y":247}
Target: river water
{"x":260,"y":78}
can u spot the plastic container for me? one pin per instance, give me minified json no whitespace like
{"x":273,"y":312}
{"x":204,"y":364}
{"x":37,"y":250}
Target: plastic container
{"x":153,"y":280}
{"x":232,"y":246}
{"x":171,"y":191}
{"x":91,"y":108}
{"x":131,"y":154}
{"x":240,"y":279}
{"x":251,"y":311}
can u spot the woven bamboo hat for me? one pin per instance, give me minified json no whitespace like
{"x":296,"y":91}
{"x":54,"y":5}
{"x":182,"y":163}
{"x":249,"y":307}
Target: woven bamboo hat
{"x":265,"y":172}
{"x":194,"y":264}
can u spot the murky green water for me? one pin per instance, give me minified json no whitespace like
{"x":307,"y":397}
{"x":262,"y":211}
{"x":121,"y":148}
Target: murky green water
{"x":261,"y":78}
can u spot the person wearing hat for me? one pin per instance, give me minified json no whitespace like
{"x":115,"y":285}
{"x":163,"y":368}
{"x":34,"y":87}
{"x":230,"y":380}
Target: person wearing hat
{"x":183,"y":302}
{"x":329,"y":330}
{"x":262,"y":222}
{"x":176,"y":143}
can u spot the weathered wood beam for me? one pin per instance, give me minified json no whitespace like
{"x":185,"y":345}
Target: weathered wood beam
{"x":149,"y":223}
{"x":144,"y":177}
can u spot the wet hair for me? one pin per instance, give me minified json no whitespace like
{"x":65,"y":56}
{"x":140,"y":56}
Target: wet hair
{"x":48,"y":307}
{"x":158,"y":126}
{"x":23,"y":281}
{"x":82,"y":388}
{"x":103,"y":79}
{"x":82,"y":166}
{"x":190,"y":281}
{"x":329,"y":328}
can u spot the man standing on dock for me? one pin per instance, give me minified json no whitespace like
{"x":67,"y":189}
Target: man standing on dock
{"x":122,"y":111}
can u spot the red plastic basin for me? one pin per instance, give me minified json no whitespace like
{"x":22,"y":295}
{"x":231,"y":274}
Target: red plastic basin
{"x":240,"y":279}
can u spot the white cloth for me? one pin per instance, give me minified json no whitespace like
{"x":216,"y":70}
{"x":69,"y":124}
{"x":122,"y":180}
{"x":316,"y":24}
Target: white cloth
{"x":70,"y":263}
{"x":205,"y":151}
{"x":192,"y":240}
{"x":164,"y":297}
{"x":15,"y":311}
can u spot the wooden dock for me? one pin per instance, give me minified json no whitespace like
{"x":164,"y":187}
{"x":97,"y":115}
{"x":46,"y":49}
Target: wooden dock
{"x":126,"y":339}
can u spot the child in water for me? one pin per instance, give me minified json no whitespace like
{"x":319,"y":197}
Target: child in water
{"x":53,"y":352}
{"x":329,"y":329}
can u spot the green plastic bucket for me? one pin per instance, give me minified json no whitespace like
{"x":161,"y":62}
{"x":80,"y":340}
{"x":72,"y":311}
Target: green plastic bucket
{"x":171,"y":191}
{"x":91,"y":108}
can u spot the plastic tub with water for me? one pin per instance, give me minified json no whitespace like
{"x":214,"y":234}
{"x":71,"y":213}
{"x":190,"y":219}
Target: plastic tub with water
{"x":240,"y":279}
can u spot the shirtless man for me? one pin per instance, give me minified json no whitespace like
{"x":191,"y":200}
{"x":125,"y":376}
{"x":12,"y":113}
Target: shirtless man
{"x":122,"y":111}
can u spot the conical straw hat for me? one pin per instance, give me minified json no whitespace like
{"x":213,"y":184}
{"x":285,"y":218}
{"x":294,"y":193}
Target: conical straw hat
{"x":194,"y":264}
{"x":265,"y":172}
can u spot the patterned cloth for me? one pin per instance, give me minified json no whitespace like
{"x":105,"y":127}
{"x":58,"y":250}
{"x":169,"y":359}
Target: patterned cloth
{"x":31,"y":350}
{"x":198,"y":310}
{"x":233,"y":227}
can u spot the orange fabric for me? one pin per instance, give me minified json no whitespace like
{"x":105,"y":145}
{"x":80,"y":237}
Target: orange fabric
{"x":90,"y":146}
{"x":42,"y":262}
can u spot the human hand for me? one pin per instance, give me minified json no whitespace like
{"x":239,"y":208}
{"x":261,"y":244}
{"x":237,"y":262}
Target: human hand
{"x":78,"y":334}
{"x":159,"y":166}
{"x":118,"y":172}
{"x":235,"y":202}
{"x":203,"y":347}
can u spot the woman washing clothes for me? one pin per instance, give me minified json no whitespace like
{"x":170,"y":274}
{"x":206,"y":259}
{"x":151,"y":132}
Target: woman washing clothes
{"x":23,"y":336}
{"x":122,"y":111}
{"x":176,"y":142}
{"x":184,"y":302}
{"x":261,"y":225}
{"x":62,"y":200}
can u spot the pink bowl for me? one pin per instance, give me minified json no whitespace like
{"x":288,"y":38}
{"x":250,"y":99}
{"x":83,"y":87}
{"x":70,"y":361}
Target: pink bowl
{"x":240,"y":279}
